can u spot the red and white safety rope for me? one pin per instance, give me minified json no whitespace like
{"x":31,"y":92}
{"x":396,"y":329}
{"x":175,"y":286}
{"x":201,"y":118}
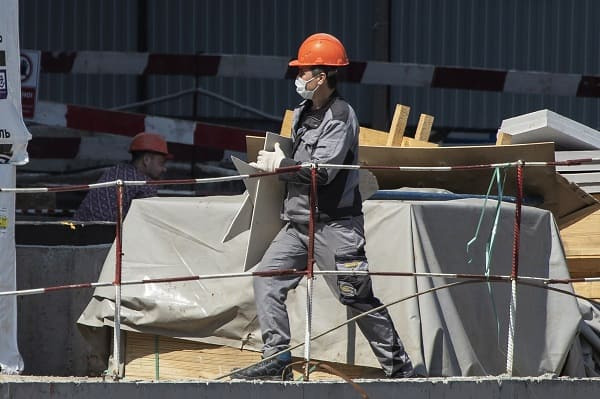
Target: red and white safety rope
{"x":289,"y":169}
{"x":458,"y":276}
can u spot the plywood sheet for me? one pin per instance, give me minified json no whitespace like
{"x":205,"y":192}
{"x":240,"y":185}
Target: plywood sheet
{"x":176,"y":359}
{"x":557,"y":194}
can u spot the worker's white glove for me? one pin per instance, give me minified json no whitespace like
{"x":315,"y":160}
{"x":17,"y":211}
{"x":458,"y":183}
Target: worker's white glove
{"x":268,"y":161}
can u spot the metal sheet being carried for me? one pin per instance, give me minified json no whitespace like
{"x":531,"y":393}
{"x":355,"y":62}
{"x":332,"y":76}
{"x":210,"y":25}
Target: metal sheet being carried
{"x":545,"y":125}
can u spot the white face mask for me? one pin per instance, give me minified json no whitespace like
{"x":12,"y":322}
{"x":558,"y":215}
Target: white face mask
{"x":302,"y":90}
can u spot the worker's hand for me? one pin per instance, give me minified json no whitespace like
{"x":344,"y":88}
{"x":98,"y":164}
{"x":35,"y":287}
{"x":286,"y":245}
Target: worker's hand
{"x":268,"y":161}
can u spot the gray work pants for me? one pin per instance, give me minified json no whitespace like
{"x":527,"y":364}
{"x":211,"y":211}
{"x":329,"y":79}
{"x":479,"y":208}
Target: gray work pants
{"x":339,"y":244}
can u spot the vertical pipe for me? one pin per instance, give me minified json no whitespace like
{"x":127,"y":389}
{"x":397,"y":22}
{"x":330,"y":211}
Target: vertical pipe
{"x":514,"y":273}
{"x":309,"y":268}
{"x":381,"y":42}
{"x":142,"y":47}
{"x":117,"y":282}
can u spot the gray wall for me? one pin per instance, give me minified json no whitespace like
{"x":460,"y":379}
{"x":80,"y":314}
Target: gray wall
{"x":49,"y":340}
{"x":547,"y":35}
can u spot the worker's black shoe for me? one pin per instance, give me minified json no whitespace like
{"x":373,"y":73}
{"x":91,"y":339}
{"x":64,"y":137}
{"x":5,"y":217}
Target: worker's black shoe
{"x":406,"y":371}
{"x":272,"y":369}
{"x":404,"y":374}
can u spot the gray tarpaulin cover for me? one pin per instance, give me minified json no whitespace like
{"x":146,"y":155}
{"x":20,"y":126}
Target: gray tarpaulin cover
{"x":451,"y":332}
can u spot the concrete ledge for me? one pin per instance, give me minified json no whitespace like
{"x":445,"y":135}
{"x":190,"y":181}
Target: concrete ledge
{"x":16,"y":387}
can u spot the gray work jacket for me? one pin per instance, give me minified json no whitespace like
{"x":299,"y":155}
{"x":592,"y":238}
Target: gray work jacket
{"x":329,"y":135}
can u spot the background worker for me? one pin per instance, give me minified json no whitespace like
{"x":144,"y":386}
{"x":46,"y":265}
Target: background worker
{"x":325,"y":130}
{"x":148,"y":156}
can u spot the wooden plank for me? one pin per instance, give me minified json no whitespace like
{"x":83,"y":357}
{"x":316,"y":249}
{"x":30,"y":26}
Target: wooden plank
{"x":582,"y":238}
{"x":582,"y":266}
{"x":181,"y":359}
{"x":414,"y":143}
{"x":424,"y":127}
{"x":286,"y":124}
{"x":588,"y":289}
{"x":399,"y":121}
{"x":503,"y":139}
{"x":372,"y":137}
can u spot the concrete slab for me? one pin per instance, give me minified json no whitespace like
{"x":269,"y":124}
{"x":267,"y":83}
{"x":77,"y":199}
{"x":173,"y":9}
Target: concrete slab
{"x":49,"y":340}
{"x":15,"y":387}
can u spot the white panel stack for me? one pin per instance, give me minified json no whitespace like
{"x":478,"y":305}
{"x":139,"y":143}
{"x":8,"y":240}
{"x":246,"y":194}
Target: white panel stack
{"x":10,"y":359}
{"x":587,"y":175}
{"x":545,"y":125}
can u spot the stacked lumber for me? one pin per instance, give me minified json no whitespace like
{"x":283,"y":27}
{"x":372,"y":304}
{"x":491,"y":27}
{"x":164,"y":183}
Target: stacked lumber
{"x":153,"y":357}
{"x":581,"y":241}
{"x":394,"y":138}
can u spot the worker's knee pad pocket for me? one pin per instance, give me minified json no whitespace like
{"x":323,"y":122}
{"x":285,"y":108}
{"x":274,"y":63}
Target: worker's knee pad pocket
{"x":352,"y":289}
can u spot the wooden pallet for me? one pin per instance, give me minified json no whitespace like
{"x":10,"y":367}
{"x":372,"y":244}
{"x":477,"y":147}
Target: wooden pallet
{"x":153,"y":357}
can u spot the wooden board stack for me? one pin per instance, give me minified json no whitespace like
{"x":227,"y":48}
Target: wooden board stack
{"x":153,"y":357}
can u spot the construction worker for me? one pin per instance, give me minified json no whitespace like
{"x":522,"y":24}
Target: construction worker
{"x":149,"y":153}
{"x":325,"y":130}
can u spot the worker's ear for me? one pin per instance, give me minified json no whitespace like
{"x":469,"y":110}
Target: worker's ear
{"x":147,"y":159}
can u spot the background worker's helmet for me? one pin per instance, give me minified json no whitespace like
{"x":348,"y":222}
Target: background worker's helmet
{"x":150,"y":142}
{"x":321,"y":49}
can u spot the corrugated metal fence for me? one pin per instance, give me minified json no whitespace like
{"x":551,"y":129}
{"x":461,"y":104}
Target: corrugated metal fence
{"x":546,"y":35}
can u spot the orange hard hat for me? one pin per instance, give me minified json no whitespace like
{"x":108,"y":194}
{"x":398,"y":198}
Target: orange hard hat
{"x":321,"y":49}
{"x":151,"y":142}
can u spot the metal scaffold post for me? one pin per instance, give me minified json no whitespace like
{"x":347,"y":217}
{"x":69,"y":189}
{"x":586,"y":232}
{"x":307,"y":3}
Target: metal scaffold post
{"x":116,"y":373}
{"x":514,"y":273}
{"x":309,"y":267}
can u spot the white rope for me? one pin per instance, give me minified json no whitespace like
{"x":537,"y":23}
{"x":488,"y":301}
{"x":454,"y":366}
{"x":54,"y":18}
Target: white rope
{"x":308,"y":326}
{"x":511,"y":328}
{"x":117,"y":334}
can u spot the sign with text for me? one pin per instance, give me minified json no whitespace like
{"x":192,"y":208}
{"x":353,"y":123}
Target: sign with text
{"x":30,"y":72}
